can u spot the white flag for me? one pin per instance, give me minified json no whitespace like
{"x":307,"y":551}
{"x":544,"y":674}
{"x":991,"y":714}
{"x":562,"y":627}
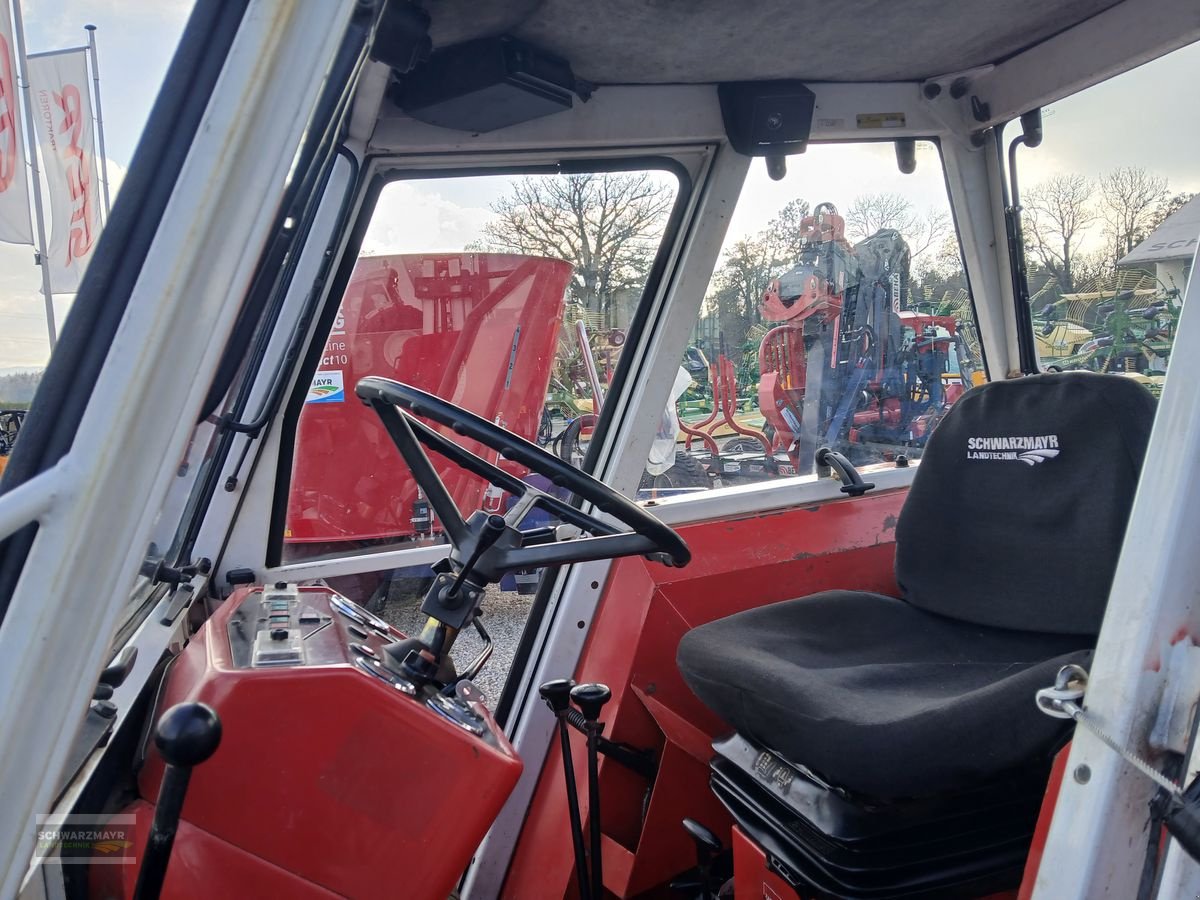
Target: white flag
{"x":14,"y":188}
{"x":62,"y":113}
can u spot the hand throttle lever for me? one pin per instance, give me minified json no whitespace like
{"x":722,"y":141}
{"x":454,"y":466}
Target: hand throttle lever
{"x":186,"y":735}
{"x":492,"y":528}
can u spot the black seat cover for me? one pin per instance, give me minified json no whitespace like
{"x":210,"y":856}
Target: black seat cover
{"x":1006,"y":549}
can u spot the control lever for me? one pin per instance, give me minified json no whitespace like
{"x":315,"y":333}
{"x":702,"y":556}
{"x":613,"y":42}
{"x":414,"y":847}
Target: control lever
{"x":186,"y":735}
{"x":557,"y":695}
{"x":471,"y":672}
{"x":492,"y":528}
{"x":852,"y":482}
{"x":633,"y":758}
{"x":708,"y":848}
{"x":590,"y":698}
{"x":115,"y":673}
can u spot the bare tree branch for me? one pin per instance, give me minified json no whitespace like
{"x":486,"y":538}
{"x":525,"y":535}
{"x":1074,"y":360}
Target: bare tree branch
{"x":1057,"y":213}
{"x":1129,"y":197}
{"x":606,"y":225}
{"x":871,"y":213}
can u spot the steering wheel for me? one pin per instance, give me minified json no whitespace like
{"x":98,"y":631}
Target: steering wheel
{"x":485,"y":547}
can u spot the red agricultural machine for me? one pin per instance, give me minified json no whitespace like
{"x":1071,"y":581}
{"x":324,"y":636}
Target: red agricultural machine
{"x":847,"y":366}
{"x":437,"y":322}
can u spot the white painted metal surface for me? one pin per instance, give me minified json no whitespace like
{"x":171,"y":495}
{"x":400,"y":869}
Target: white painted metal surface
{"x":1097,"y":842}
{"x":973,"y":178}
{"x":1120,"y":38}
{"x":86,"y":554}
{"x":226,"y":509}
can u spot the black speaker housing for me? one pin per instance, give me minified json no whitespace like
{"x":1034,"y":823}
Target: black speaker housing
{"x":767,"y":118}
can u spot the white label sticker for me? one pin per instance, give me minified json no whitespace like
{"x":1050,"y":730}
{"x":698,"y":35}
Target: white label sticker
{"x":327,"y":387}
{"x":881,"y":120}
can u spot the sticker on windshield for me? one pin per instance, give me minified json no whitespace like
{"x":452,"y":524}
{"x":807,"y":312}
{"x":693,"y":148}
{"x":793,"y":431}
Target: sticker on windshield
{"x":327,"y":387}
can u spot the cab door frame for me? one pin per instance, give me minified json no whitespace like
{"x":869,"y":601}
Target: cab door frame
{"x":96,"y":506}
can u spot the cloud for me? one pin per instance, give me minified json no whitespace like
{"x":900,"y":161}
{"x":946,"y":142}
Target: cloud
{"x":418,"y":218}
{"x":60,"y":22}
{"x":837,"y":173}
{"x":23,"y":334}
{"x":23,"y":339}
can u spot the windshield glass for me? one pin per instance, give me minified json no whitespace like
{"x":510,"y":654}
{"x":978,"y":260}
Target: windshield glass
{"x":525,"y":293}
{"x":839,"y":316}
{"x":507,"y":295}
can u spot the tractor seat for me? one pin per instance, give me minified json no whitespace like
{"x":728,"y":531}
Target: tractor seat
{"x":1005,"y":552}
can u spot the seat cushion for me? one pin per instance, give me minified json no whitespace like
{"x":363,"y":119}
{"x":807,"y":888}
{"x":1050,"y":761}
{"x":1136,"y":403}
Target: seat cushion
{"x":880,"y":697}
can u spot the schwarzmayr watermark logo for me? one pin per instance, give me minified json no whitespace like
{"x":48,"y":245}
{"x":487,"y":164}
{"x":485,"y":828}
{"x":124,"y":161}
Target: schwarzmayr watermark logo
{"x":1029,"y":449}
{"x":66,"y":839}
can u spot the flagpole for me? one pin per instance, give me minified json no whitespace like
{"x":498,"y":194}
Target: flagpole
{"x":31,"y":138}
{"x":91,"y":30}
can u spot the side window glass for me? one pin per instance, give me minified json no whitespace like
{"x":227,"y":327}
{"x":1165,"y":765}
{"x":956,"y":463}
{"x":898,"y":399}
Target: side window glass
{"x":838,"y":316}
{"x":1110,"y":227}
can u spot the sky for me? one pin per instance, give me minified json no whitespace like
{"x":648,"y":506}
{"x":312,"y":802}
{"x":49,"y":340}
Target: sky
{"x":1136,"y":119}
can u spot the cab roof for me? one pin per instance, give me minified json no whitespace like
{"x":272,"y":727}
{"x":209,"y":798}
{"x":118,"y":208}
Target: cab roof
{"x":706,"y":41}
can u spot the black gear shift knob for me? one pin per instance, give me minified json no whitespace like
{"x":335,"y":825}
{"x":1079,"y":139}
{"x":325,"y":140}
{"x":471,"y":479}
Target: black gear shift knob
{"x":557,"y":693}
{"x":590,"y":698}
{"x":188,"y":734}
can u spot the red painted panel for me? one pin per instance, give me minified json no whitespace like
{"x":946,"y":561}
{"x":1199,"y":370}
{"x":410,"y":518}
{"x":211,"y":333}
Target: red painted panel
{"x":645,"y":610}
{"x":477,"y":329}
{"x":202,"y":867}
{"x":751,"y":877}
{"x":1034,"y":861}
{"x":330,"y":774}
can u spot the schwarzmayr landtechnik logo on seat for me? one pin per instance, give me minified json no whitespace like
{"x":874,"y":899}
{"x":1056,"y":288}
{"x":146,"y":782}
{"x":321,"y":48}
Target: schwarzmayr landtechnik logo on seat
{"x":1029,"y":449}
{"x":82,"y":839}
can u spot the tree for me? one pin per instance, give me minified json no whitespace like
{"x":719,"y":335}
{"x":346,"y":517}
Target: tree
{"x":1129,"y":197}
{"x":869,"y":213}
{"x":1057,"y":213}
{"x":749,"y":266}
{"x":783,"y":232}
{"x":738,"y":285}
{"x":18,"y":388}
{"x":1090,"y":270}
{"x":943,"y":276}
{"x":607,"y":225}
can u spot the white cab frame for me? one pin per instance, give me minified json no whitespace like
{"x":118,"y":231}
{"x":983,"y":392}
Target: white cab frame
{"x":96,"y":507}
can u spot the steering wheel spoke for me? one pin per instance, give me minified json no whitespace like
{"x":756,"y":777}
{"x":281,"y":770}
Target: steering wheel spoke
{"x":577,"y":550}
{"x":400,"y":428}
{"x":574,"y":516}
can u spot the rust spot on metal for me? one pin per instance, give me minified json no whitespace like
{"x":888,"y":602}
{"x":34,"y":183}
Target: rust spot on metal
{"x":803,"y":555}
{"x":889,"y":523}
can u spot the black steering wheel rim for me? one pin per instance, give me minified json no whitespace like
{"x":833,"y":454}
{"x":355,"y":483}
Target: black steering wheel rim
{"x":410,"y":402}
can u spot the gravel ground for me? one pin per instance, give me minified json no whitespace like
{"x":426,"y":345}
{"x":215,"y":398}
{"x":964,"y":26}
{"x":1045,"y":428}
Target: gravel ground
{"x":504,"y":614}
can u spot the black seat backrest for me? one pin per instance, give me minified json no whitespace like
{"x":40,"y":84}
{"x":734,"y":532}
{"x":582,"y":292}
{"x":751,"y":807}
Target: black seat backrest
{"x":1017,"y":511}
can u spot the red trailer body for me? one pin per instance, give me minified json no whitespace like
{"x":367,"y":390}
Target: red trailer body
{"x":478,"y":329}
